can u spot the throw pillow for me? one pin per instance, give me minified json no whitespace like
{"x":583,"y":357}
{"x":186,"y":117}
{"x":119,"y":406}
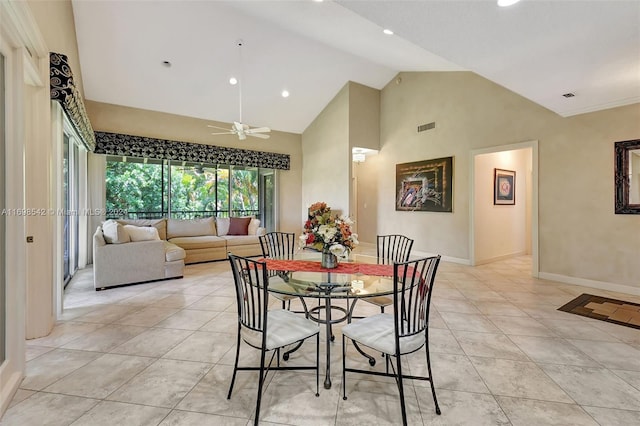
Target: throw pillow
{"x":190,"y":227}
{"x":222,"y":225}
{"x":239,"y":225}
{"x":253,"y":227}
{"x":142,"y":233}
{"x":160,"y":224}
{"x":114,"y":232}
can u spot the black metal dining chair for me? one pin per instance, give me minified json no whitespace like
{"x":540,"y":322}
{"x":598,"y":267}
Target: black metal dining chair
{"x":264,"y":329}
{"x":390,"y":249}
{"x":404,"y":331}
{"x":279,"y":245}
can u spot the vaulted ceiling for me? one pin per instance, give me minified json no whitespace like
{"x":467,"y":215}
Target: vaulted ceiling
{"x":538,"y":49}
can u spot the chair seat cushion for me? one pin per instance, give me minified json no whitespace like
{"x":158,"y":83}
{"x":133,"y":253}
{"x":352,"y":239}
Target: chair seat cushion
{"x":284,"y":328}
{"x":377,"y":332}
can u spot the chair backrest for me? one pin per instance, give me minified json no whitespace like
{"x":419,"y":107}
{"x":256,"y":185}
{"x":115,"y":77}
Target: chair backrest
{"x":413,"y":284}
{"x":393,"y":249}
{"x":278,"y":245}
{"x":251,"y":281}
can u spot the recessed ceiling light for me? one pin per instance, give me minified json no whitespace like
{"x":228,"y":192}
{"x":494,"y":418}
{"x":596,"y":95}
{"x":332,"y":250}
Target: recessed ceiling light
{"x":505,"y":3}
{"x":233,"y":81}
{"x":285,"y":93}
{"x":387,"y":31}
{"x":166,"y":63}
{"x":318,"y":1}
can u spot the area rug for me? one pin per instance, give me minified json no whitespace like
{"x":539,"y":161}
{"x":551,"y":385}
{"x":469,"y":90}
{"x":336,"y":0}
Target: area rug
{"x":605,"y":309}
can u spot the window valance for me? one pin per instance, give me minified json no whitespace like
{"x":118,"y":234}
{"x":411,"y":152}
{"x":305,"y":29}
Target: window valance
{"x":162,"y":149}
{"x":64,"y":90}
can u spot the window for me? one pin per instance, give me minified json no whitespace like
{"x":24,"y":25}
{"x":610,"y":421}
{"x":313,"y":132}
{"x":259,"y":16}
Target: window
{"x":135,"y":186}
{"x":144,"y":188}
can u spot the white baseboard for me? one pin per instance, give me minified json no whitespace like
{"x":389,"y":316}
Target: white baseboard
{"x":7,"y":392}
{"x":498,"y":258}
{"x":619,"y":288}
{"x":459,"y":260}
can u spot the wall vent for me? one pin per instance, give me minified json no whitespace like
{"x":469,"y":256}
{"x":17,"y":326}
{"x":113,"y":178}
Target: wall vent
{"x":427,"y":126}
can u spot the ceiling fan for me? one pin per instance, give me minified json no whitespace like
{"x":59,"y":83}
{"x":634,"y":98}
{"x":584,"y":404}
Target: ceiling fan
{"x":243,"y":130}
{"x":239,"y":128}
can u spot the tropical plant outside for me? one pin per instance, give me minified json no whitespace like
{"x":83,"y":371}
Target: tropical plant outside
{"x":196,"y":190}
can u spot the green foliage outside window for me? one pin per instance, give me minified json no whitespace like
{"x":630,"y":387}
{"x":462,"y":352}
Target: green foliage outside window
{"x":196,"y":190}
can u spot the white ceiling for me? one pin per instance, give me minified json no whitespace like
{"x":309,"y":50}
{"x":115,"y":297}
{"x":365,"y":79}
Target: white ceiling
{"x":539,"y":49}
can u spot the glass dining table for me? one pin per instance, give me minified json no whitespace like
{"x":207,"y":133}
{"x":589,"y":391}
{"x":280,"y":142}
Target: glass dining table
{"x":354,"y":278}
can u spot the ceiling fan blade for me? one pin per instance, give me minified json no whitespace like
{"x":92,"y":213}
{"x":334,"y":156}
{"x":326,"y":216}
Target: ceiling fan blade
{"x":259,"y":130}
{"x":216,"y":127}
{"x":258,"y":135}
{"x":223,"y":133}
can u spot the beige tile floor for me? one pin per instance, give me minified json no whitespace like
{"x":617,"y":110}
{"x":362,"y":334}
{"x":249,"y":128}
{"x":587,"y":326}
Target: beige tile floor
{"x":162,"y":354}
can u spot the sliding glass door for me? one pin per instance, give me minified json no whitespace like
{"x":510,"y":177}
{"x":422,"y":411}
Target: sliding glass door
{"x":70,"y":194}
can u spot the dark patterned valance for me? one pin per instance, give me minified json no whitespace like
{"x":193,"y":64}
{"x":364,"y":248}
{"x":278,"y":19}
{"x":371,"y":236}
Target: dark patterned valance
{"x":64,"y":90}
{"x":162,"y":149}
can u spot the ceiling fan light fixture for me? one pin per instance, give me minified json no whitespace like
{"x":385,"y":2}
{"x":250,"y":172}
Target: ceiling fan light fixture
{"x":505,"y":3}
{"x":233,"y":81}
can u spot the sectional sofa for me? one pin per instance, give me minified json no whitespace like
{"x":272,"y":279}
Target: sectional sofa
{"x":135,"y":251}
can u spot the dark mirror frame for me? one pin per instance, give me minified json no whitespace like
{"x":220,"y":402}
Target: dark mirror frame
{"x":622,"y":149}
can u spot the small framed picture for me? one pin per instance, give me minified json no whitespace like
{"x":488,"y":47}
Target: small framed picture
{"x":504,"y":187}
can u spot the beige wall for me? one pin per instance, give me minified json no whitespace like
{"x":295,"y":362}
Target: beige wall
{"x":364,"y":116}
{"x":579,"y":236}
{"x":56,"y":22}
{"x":364,"y":132}
{"x":366,"y":217}
{"x":351,"y":119}
{"x":133,"y":121}
{"x":326,"y":171}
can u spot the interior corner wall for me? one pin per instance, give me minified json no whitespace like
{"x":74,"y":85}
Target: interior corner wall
{"x":364,"y":116}
{"x":326,"y":157}
{"x":580,"y":237}
{"x":364,"y":132}
{"x":139,"y":122}
{"x":501,"y":230}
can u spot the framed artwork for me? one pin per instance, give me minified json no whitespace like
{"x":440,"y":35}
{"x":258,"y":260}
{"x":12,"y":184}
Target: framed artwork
{"x":425,"y":185}
{"x":504,"y":187}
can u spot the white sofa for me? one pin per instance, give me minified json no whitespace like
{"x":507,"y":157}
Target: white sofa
{"x":116,"y":264}
{"x":208,"y":239}
{"x":117,"y":261}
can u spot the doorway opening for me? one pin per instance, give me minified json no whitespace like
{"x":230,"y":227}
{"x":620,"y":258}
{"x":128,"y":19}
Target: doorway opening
{"x":500,"y":230}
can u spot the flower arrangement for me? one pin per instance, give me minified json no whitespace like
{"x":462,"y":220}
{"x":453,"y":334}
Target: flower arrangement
{"x":323,"y":231}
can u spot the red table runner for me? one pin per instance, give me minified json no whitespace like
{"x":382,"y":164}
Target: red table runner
{"x":343,"y":268}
